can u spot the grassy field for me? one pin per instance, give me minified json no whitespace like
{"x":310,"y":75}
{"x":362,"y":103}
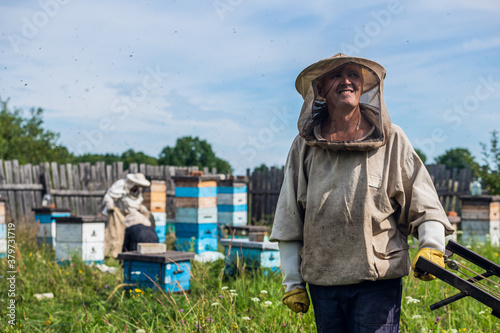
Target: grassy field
{"x":87,"y":300}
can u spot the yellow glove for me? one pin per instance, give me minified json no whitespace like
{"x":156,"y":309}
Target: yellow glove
{"x":434,"y":256}
{"x":297,"y":300}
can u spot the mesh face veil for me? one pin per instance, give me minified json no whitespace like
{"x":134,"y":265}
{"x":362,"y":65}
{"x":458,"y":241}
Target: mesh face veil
{"x":314,"y":110}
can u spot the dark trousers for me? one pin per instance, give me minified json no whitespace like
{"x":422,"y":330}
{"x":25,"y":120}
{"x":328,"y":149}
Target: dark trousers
{"x":367,"y":307}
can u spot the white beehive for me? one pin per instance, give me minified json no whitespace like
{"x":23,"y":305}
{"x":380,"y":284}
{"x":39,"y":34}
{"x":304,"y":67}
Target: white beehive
{"x":81,"y":236}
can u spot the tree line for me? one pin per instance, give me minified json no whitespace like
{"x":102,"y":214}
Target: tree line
{"x":24,"y":138}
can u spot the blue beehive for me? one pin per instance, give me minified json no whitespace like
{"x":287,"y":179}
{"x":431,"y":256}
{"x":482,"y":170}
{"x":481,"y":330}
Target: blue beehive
{"x":45,"y":216}
{"x":196,"y":213}
{"x":171,"y":270}
{"x":232,"y":207}
{"x":160,"y":225}
{"x":263,"y":255}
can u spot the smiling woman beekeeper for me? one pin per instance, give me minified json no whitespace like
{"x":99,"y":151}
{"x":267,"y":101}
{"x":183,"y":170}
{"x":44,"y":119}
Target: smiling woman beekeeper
{"x":123,"y":200}
{"x":354,"y":190}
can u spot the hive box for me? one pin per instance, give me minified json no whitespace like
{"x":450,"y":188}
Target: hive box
{"x":480,"y":219}
{"x":232,"y":208}
{"x":171,"y":271}
{"x":196,"y":215}
{"x":155,"y":196}
{"x":255,"y":255}
{"x":45,"y":216}
{"x":160,"y":225}
{"x":82,"y":236}
{"x":197,"y":245}
{"x":243,"y":232}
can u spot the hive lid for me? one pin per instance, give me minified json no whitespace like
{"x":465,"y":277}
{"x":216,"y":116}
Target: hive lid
{"x":167,"y":257}
{"x":47,"y":210}
{"x":81,"y":219}
{"x":232,"y":183}
{"x":249,"y":228}
{"x":479,"y":200}
{"x":245,"y":243}
{"x":195,"y":178}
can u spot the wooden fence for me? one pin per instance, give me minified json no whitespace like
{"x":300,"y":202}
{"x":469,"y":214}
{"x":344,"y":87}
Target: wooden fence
{"x":264,"y":188}
{"x":79,"y":187}
{"x":263,"y":191}
{"x":450,"y":185}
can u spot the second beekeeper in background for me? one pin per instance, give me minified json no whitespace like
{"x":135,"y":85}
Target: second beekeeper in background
{"x":123,"y":201}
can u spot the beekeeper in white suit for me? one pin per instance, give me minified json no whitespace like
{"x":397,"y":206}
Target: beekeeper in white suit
{"x":123,"y":201}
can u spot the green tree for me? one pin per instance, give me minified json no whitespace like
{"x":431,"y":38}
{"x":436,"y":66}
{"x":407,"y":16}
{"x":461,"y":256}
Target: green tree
{"x":189,"y":151}
{"x":131,"y":156}
{"x":457,"y":158}
{"x":490,"y":171}
{"x":26,"y":140}
{"x":93,"y":158}
{"x":421,"y":155}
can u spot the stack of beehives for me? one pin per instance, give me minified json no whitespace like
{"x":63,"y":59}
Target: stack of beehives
{"x":196,"y":213}
{"x":232,"y":207}
{"x":155,"y":199}
{"x":481,"y":218}
{"x":45,"y":216}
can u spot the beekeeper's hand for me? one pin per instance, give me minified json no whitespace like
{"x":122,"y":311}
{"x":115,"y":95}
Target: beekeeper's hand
{"x":143,"y":209}
{"x":433,"y":256}
{"x":297,"y":300}
{"x":431,"y":239}
{"x":110,"y":206}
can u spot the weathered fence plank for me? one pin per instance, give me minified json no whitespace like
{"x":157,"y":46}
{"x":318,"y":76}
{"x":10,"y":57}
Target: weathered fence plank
{"x":11,"y":194}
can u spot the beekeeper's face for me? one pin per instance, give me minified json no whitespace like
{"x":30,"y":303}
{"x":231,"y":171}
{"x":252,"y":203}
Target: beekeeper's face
{"x":135,"y":191}
{"x":342,"y":87}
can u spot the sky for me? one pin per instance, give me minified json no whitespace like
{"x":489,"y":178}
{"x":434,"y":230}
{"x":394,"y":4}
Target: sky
{"x":117,"y":75}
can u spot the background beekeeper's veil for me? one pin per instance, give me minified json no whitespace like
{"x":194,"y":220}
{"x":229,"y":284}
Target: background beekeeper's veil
{"x":371,"y":102}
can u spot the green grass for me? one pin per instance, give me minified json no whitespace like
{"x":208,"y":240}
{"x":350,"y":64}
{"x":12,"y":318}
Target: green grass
{"x":87,"y":300}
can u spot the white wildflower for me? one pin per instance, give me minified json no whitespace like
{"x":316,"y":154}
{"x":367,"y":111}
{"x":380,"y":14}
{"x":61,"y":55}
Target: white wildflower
{"x":453,"y":330}
{"x":411,"y":300}
{"x":215,"y":304}
{"x":481,"y":312}
{"x":140,"y":330}
{"x":267,"y":303}
{"x":263,"y":291}
{"x":255,"y":299}
{"x":246,"y":318}
{"x":232,"y":290}
{"x":224,"y":288}
{"x":416,"y":317}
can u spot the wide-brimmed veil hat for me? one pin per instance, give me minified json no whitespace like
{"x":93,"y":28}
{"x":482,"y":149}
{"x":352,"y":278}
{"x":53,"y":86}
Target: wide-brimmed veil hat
{"x":372,"y":72}
{"x":371,"y":102}
{"x":138,"y":179}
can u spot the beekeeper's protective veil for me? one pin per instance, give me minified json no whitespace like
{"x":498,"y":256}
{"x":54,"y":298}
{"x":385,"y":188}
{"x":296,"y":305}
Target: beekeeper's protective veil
{"x":314,"y":110}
